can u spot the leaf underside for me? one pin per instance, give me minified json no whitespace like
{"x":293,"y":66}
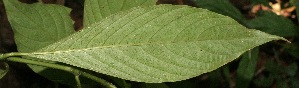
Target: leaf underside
{"x":156,"y":44}
{"x":96,"y":10}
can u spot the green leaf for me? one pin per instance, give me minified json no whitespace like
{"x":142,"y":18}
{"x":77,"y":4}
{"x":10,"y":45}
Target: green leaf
{"x":246,"y":69}
{"x":156,"y":44}
{"x":273,"y":24}
{"x":37,"y":25}
{"x":223,"y":7}
{"x":4,"y":71}
{"x":96,"y":10}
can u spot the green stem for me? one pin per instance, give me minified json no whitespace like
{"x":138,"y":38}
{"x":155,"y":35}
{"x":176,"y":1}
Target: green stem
{"x":13,"y":54}
{"x":64,"y":68}
{"x":78,"y":81}
{"x":103,"y":82}
{"x":2,"y":56}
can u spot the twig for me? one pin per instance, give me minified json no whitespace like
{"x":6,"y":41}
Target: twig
{"x":64,"y":68}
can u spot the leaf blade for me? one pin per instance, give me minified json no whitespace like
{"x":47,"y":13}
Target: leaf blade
{"x":156,"y":44}
{"x":36,"y":26}
{"x":3,"y":72}
{"x":246,"y":68}
{"x":273,"y":24}
{"x":224,"y":7}
{"x":96,"y":10}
